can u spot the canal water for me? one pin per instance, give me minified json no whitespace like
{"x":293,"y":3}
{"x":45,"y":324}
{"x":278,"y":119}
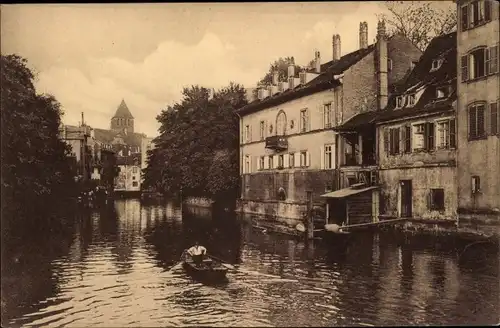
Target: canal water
{"x":114,"y":270}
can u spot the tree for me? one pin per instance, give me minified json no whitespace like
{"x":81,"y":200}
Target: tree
{"x":280,"y":65}
{"x":193,"y":133}
{"x":36,"y":170}
{"x":420,"y":21}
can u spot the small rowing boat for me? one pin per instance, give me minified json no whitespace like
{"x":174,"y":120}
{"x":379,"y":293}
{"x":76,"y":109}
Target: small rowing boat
{"x":209,"y":269}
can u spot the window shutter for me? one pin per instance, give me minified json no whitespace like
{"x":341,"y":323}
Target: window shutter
{"x":386,"y":141}
{"x":321,"y":111}
{"x":308,"y":160}
{"x":487,"y":59}
{"x":493,"y":119}
{"x":286,"y":159}
{"x":308,"y":128}
{"x":403,"y":140}
{"x":408,"y":139}
{"x":322,"y":157}
{"x":465,"y":68}
{"x":493,"y":56}
{"x":465,"y":17}
{"x":266,"y":162}
{"x":397,"y":138}
{"x":430,"y":136}
{"x":252,"y":164}
{"x":480,"y":121}
{"x":250,"y":133}
{"x":487,"y":10}
{"x":296,"y":159}
{"x":472,"y":122}
{"x":453,"y":138}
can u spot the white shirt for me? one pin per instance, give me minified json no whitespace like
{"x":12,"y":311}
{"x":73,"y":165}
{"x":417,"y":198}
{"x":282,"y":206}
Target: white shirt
{"x":197,"y":250}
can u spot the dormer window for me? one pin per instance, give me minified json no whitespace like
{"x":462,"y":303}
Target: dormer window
{"x":399,"y":101}
{"x":442,"y":92}
{"x":411,"y":100}
{"x":436,"y":64}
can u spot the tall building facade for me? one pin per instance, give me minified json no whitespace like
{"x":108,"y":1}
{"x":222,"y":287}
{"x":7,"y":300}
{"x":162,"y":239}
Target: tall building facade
{"x":478,"y":118}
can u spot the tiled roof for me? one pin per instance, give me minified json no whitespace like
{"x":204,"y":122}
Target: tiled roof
{"x":358,"y":121}
{"x":107,"y":136}
{"x":129,"y":160}
{"x":122,"y":111}
{"x":442,"y":47}
{"x":324,"y":81}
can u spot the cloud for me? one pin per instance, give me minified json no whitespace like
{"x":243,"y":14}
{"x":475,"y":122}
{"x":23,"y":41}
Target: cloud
{"x":96,"y":82}
{"x":147,"y":86}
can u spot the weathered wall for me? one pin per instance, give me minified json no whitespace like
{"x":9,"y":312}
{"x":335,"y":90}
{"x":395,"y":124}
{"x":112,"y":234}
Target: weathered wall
{"x":423,"y":179}
{"x":478,"y":157}
{"x":127,"y":177}
{"x":402,"y":52}
{"x":263,"y":186}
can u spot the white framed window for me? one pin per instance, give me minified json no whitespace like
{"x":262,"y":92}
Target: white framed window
{"x":281,"y":161}
{"x":418,"y":137}
{"x":247,"y":164}
{"x":411,"y":100}
{"x":443,"y":134}
{"x":271,"y":164}
{"x":328,"y":157}
{"x":442,"y":92}
{"x":436,"y":64}
{"x":475,"y":13}
{"x":134,"y":169}
{"x":291,"y":160}
{"x":261,"y":162}
{"x":304,"y":120}
{"x":247,"y":133}
{"x":304,"y":159}
{"x":480,"y":62}
{"x":281,"y":124}
{"x":262,"y":131}
{"x":399,"y":102}
{"x":327,"y":115}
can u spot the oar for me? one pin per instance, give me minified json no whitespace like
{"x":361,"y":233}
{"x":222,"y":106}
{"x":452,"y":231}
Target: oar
{"x":176,"y":266}
{"x":227,"y":265}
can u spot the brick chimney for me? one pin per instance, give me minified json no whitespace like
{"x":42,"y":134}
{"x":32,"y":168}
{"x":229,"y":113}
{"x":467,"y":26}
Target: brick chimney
{"x":363,"y":35}
{"x":336,"y":46}
{"x":382,"y":78}
{"x":317,"y":62}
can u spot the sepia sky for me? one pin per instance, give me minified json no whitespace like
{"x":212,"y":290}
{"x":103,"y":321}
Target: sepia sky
{"x":91,"y":56}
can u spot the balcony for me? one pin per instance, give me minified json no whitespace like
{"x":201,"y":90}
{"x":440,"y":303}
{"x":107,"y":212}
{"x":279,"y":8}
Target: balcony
{"x":277,"y":142}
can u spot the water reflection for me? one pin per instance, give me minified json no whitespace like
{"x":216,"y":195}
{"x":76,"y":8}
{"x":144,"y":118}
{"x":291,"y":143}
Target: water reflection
{"x":114,"y":268}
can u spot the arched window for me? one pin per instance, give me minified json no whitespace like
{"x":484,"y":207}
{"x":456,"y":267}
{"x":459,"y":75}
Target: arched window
{"x":281,"y":124}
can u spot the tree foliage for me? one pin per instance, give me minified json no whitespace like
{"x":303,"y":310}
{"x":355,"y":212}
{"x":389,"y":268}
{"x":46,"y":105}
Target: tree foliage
{"x":280,"y":65}
{"x":193,"y":133}
{"x":420,"y":21}
{"x":35,"y":168}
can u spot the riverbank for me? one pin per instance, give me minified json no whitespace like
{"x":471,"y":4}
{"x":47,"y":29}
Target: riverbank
{"x":467,"y":230}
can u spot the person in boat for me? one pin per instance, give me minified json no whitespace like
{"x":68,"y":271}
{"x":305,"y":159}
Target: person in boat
{"x":197,"y":253}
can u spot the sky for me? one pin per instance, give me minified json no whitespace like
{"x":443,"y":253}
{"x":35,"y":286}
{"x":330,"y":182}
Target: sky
{"x":91,"y":56}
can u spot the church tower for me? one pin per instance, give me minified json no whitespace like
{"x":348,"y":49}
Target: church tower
{"x":122,"y":121}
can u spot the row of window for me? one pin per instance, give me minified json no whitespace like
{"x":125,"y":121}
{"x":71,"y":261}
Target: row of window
{"x":410,"y":100}
{"x":291,"y":160}
{"x":480,"y":62}
{"x":420,"y":137}
{"x":304,"y":124}
{"x":475,"y":13}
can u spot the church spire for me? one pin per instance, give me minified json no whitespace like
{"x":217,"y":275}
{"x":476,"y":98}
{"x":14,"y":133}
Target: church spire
{"x":122,"y":111}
